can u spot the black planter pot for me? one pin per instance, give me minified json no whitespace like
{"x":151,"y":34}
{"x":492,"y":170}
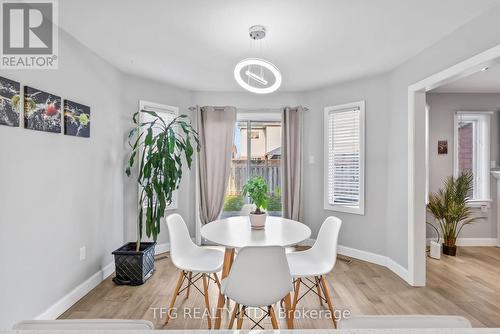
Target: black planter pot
{"x":450,"y":250}
{"x":131,"y":267}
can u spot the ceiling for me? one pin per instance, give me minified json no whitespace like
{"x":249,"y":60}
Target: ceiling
{"x":196,"y":44}
{"x":480,"y":82}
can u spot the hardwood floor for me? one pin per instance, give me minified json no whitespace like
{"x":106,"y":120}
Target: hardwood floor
{"x":467,"y":285}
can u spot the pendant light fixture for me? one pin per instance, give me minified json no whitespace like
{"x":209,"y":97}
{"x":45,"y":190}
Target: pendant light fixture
{"x":257,"y":75}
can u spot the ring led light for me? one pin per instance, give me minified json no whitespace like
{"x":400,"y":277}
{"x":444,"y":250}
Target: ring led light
{"x":256,"y":63}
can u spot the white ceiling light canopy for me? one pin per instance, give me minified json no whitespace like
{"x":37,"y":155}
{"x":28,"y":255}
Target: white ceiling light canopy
{"x":257,"y":75}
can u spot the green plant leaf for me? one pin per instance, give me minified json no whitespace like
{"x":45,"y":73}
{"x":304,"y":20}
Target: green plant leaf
{"x":256,"y":188}
{"x":160,"y":164}
{"x":450,"y":208}
{"x":149,"y":137}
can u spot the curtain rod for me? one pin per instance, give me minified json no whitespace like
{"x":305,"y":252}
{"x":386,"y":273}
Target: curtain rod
{"x":254,"y":109}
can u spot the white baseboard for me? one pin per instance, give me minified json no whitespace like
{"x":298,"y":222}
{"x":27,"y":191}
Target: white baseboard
{"x":397,"y":269}
{"x":381,"y":260}
{"x":362,"y":255}
{"x":477,"y":242}
{"x":162,"y":248}
{"x":473,"y":241}
{"x":108,"y":270}
{"x":63,"y":304}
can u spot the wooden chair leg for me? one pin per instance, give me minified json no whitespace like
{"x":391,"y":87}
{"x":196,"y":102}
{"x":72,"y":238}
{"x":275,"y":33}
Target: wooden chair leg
{"x":233,"y":315}
{"x":228,"y":259}
{"x":190,"y":275}
{"x":207,"y":301}
{"x":296,"y":293}
{"x":326,"y":291}
{"x":217,"y":280}
{"x":274,"y":321}
{"x":288,"y":311}
{"x":174,"y":296}
{"x":240,"y":317}
{"x":318,"y":288}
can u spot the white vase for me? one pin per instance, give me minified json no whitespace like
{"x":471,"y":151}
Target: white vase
{"x":258,"y":221}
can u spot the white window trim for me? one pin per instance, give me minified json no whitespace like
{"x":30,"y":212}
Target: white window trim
{"x":359,"y":210}
{"x":258,"y":116}
{"x":485,"y":197}
{"x":160,"y":108}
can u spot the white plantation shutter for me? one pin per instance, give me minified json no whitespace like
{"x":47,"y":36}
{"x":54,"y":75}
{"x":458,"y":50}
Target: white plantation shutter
{"x":343,"y":157}
{"x":167,"y":115}
{"x":344,"y":150}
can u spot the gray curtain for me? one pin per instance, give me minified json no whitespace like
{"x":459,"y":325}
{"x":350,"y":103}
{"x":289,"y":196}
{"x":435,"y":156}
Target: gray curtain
{"x":216,"y":133}
{"x":292,"y":156}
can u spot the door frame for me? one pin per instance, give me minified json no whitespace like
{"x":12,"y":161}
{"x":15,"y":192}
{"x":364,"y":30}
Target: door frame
{"x":417,"y":155}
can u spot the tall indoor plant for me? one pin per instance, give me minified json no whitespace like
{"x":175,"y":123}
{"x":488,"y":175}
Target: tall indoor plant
{"x":256,"y":189}
{"x":450,"y":208}
{"x":159,"y":149}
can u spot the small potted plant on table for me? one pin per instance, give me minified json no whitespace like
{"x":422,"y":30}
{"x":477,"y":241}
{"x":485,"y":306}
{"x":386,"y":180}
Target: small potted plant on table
{"x":160,"y":158}
{"x":256,"y":189}
{"x":451,"y":209}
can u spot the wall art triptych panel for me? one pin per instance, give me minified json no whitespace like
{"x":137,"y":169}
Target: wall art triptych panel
{"x":42,"y":110}
{"x":10,"y":102}
{"x":76,"y":119}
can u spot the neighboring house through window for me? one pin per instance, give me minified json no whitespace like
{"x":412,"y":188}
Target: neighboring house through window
{"x":256,"y":152}
{"x":472,"y":151}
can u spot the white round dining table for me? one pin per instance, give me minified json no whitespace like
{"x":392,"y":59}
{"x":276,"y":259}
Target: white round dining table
{"x":236,"y":232}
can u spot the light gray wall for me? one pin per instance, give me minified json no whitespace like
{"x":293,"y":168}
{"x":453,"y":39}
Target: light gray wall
{"x":387,"y":94}
{"x":476,"y":36}
{"x":442,"y":108}
{"x":90,"y":198}
{"x":361,"y":232}
{"x":366,"y":232}
{"x":57,"y":192}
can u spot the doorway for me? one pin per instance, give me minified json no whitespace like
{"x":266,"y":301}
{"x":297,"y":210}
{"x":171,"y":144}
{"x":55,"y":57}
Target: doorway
{"x":418,"y":152}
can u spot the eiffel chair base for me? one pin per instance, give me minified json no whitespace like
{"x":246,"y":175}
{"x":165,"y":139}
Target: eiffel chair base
{"x":319,"y":287}
{"x":191,"y":278}
{"x":239,"y":312}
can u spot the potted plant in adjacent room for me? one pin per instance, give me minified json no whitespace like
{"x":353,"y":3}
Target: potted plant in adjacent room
{"x":256,"y":189}
{"x":451,"y":209}
{"x":160,"y":149}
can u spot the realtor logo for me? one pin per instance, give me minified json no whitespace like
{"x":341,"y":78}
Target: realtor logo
{"x":29,"y":34}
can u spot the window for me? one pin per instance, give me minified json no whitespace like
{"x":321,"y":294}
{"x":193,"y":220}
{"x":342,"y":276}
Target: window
{"x":344,"y":158}
{"x":472,"y":151}
{"x":167,"y":113}
{"x":256,"y":151}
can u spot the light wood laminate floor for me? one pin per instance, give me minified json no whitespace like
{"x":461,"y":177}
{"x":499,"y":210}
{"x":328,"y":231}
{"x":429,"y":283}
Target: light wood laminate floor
{"x":467,"y":285}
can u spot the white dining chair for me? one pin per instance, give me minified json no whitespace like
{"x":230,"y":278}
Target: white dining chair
{"x":310,"y":267}
{"x":404,"y":322}
{"x":259,"y":277}
{"x":195,"y":263}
